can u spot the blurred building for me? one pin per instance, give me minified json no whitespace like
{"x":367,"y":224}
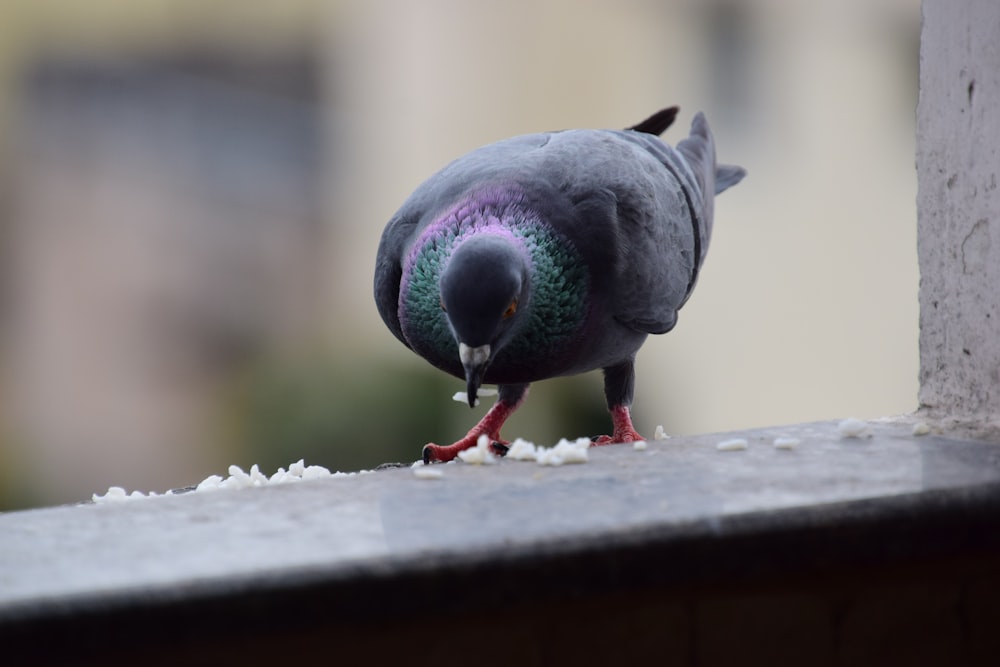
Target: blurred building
{"x":166,"y":230}
{"x":192,"y":192}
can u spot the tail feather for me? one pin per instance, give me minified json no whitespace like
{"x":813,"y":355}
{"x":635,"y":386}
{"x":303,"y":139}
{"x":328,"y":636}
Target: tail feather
{"x":727,"y":175}
{"x":698,"y":150}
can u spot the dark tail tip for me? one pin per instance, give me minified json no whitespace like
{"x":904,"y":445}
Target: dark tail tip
{"x":657,"y":123}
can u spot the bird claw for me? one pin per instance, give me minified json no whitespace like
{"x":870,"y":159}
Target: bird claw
{"x":428,"y":454}
{"x":616,"y":439}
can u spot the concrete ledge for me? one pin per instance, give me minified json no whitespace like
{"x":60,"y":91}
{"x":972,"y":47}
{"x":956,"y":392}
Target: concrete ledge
{"x":958,"y":230}
{"x":368,"y":563}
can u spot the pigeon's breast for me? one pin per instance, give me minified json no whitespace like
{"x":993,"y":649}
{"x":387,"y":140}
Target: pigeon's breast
{"x":552,"y":319}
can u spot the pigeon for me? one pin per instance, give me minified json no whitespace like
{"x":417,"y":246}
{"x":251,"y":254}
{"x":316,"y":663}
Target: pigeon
{"x":550,"y":254}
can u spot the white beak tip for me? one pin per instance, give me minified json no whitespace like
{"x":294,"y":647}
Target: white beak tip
{"x":473,"y":356}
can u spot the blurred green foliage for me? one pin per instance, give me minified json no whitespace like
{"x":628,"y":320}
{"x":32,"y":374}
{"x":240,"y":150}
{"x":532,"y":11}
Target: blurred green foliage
{"x":15,"y":490}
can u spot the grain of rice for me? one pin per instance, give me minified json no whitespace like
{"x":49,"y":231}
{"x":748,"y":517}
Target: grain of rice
{"x":463,"y":397}
{"x":732,"y":445}
{"x":853,"y":428}
{"x":315,"y":472}
{"x":210,"y":483}
{"x":114,"y":494}
{"x":428,"y":472}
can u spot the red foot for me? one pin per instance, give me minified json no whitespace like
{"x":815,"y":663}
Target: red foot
{"x":489,"y":425}
{"x":621,"y":418}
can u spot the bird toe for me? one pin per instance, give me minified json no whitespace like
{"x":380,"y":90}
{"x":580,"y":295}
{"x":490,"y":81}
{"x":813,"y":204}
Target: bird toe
{"x":617,"y":438}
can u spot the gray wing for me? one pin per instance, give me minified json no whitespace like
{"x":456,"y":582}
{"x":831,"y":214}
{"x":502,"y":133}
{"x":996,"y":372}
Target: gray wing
{"x":663,"y":236}
{"x":644,"y":212}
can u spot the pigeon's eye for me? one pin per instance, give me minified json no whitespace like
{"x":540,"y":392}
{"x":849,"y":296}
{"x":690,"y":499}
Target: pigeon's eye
{"x":511,"y":309}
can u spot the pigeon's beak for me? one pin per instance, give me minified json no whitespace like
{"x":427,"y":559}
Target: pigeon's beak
{"x":474,"y":360}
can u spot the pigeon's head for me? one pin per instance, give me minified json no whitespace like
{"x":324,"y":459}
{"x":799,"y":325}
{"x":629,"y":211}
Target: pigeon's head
{"x":484,"y":289}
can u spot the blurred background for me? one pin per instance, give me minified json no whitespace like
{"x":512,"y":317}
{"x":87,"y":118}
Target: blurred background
{"x":191,"y":196}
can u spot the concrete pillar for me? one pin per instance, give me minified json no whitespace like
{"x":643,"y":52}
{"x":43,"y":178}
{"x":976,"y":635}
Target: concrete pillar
{"x":958,"y":167}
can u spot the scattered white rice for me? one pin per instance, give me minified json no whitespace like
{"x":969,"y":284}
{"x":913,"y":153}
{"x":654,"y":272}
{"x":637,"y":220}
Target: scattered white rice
{"x":565,"y":451}
{"x":853,"y":428}
{"x":118,"y":494}
{"x":481,"y":454}
{"x":732,"y":445}
{"x":639,"y":445}
{"x":921,"y":428}
{"x":463,"y":396}
{"x":660,"y":434}
{"x":786,"y":443}
{"x":522,"y":450}
{"x":237,"y":479}
{"x":281,"y":476}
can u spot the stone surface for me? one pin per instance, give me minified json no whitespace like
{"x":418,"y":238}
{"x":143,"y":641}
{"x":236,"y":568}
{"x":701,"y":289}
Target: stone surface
{"x":958,"y":168}
{"x":680,"y":553}
{"x":676,"y":491}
